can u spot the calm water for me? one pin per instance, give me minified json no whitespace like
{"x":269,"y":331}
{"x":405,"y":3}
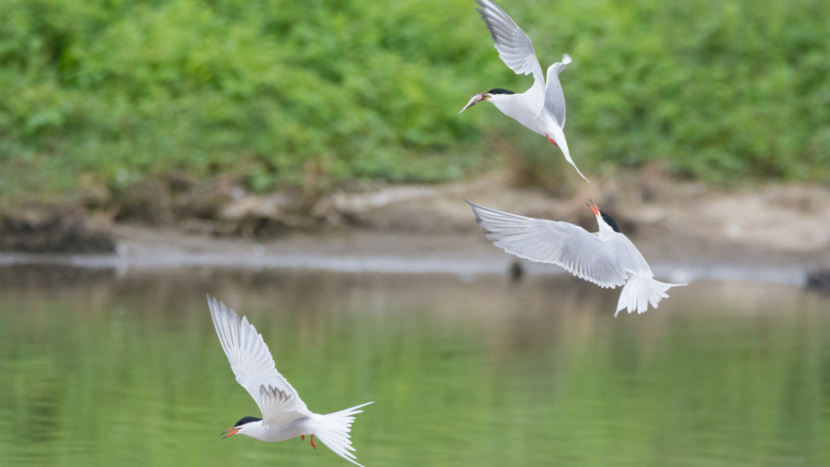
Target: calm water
{"x":99,"y":370}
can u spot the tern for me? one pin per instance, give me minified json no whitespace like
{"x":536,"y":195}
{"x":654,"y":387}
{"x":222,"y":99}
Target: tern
{"x":542,"y":107}
{"x":284,"y":415}
{"x":607,"y":258}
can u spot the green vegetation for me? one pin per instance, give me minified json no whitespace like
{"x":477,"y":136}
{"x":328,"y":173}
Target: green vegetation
{"x":277,"y":91}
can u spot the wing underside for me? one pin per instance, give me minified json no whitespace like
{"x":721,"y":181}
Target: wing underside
{"x":514,"y":46}
{"x":278,"y":407}
{"x":554,"y":97}
{"x":581,"y":253}
{"x":249,"y":357}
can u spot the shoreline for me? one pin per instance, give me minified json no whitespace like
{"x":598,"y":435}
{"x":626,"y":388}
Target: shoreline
{"x":687,"y":231}
{"x":142,"y":250}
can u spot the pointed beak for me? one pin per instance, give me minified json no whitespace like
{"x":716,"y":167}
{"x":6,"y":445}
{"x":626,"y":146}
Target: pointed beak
{"x":230,"y":432}
{"x":593,"y":207}
{"x":478,"y":97}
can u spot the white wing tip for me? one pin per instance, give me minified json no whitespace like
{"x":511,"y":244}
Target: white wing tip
{"x":566,"y":59}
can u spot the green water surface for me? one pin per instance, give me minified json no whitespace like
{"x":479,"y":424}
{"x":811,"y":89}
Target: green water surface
{"x":100,"y":370}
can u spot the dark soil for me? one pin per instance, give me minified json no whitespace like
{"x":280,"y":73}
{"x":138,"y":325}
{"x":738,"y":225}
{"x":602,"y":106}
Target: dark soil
{"x":52,"y":230}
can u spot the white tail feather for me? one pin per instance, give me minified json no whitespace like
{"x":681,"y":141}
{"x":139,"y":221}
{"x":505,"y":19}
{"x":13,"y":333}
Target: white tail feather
{"x":559,"y":137}
{"x":640,"y":290}
{"x":334,"y":430}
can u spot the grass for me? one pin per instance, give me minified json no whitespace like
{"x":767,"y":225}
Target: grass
{"x":276,"y":92}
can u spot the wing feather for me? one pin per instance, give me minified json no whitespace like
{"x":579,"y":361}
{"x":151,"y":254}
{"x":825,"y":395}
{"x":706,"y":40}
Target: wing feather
{"x":605,"y":263}
{"x":514,"y":46}
{"x":554,"y":97}
{"x":279,"y":407}
{"x":249,"y":357}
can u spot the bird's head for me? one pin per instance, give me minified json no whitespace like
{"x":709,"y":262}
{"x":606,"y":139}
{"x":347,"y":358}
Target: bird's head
{"x":244,"y":424}
{"x":603,"y":218}
{"x":484,"y":96}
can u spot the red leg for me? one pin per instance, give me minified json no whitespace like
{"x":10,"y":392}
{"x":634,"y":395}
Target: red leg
{"x":552,"y":141}
{"x":312,"y":442}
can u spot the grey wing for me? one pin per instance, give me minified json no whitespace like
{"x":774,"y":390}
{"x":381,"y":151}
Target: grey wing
{"x":554,"y":97}
{"x":514,"y":46}
{"x":604,"y":263}
{"x":248,"y":355}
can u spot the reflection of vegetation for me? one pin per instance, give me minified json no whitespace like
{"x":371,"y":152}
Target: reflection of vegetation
{"x":131,"y":370}
{"x":282,"y":91}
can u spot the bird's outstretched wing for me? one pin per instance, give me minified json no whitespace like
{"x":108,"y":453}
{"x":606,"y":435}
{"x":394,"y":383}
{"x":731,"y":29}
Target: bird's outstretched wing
{"x":554,"y":98}
{"x":279,"y":407}
{"x":250,"y":359}
{"x":513,"y":45}
{"x":605,"y":263}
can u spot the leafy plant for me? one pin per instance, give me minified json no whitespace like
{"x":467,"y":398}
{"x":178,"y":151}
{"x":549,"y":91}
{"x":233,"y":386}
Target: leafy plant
{"x":362,"y":89}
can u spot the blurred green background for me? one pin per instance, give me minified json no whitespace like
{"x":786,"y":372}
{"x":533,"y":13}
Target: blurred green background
{"x":278,"y":91}
{"x":100,"y":370}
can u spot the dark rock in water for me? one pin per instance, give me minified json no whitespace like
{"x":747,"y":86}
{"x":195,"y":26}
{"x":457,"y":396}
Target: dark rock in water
{"x":819,"y":280}
{"x":517,"y":271}
{"x":43,"y":230}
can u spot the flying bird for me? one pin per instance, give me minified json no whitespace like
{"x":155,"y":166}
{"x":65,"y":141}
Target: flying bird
{"x":607,"y":258}
{"x":284,"y":415}
{"x":542,"y":107}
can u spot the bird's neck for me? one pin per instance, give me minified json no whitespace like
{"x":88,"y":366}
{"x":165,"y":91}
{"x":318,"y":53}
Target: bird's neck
{"x":502,"y":99}
{"x":255,"y":430}
{"x":514,"y":106}
{"x":605,"y":230}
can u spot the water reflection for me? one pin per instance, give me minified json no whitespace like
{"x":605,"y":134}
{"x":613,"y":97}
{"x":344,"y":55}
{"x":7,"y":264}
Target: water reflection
{"x":99,"y":370}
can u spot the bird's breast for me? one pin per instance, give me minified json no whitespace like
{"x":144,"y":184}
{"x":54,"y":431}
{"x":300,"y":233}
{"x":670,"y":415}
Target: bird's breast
{"x":293,"y":429}
{"x":518,"y":108}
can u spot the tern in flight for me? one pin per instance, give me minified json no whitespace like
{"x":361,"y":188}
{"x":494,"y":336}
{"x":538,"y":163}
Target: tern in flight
{"x":542,"y":107}
{"x":284,"y":415}
{"x":607,"y":258}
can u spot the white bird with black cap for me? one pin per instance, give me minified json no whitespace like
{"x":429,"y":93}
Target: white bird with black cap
{"x":607,"y":257}
{"x":542,"y":107}
{"x":284,"y":415}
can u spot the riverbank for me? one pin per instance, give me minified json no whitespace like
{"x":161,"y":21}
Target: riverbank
{"x":686,"y":230}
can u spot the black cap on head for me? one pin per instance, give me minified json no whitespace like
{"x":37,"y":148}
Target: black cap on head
{"x":245,"y":420}
{"x":608,"y":220}
{"x":500,"y":91}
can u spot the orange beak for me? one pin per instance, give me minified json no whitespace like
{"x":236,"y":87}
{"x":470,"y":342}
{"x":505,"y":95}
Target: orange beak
{"x":230,"y":432}
{"x":593,"y":207}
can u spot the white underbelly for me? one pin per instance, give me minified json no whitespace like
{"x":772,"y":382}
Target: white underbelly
{"x":299,"y":427}
{"x":526,"y":117}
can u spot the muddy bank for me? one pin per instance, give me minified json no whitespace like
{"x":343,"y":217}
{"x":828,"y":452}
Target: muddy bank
{"x":53,"y":229}
{"x":680,"y":224}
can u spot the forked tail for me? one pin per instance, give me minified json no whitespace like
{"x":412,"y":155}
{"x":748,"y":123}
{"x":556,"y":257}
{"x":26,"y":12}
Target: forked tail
{"x":334,"y":430}
{"x":568,"y":156}
{"x":559,"y":138}
{"x":640,"y":290}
